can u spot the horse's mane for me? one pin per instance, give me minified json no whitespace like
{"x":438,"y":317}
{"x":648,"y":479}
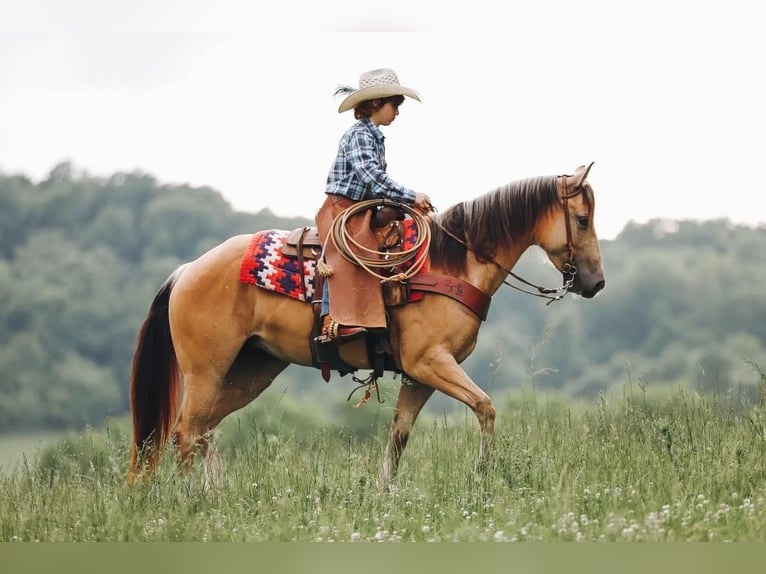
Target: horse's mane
{"x":496,"y":217}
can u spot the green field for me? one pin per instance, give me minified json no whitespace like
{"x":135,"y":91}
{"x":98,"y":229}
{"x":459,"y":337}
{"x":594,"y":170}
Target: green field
{"x":675,"y":467}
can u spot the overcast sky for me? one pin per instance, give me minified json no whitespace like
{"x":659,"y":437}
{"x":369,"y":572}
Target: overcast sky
{"x":666,"y":97}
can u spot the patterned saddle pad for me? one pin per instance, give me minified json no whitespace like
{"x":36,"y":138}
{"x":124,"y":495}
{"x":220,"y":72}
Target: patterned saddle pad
{"x":264,"y":265}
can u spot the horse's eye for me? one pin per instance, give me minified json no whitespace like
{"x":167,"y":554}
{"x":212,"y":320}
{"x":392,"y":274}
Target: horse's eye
{"x":582,"y":221}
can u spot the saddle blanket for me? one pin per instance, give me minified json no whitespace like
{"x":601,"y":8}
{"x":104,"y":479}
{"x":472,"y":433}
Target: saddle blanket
{"x":264,"y":265}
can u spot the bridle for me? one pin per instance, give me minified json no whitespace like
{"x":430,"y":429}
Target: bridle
{"x":569,"y":266}
{"x":570,"y":270}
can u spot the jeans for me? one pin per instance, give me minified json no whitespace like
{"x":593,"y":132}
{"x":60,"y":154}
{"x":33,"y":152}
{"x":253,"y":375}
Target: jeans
{"x":325,"y":298}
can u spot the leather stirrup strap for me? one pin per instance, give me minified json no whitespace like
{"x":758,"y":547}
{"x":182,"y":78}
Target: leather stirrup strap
{"x":300,"y":262}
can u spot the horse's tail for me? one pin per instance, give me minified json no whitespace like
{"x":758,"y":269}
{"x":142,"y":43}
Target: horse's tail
{"x":154,"y":384}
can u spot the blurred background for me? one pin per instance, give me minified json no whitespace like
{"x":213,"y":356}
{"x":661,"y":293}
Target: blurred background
{"x":133,"y":137}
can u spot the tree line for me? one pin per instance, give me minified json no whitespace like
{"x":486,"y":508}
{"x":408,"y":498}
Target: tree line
{"x":81,"y":258}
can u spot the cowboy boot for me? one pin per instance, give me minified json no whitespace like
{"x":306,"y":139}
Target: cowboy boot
{"x":333,"y":331}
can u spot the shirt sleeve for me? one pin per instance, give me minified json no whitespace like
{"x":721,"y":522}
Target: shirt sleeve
{"x":361,"y":154}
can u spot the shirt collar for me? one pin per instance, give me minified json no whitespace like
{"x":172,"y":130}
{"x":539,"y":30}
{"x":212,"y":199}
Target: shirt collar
{"x":374,"y":129}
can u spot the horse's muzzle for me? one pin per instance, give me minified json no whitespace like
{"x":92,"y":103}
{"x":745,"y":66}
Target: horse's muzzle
{"x":586,"y":290}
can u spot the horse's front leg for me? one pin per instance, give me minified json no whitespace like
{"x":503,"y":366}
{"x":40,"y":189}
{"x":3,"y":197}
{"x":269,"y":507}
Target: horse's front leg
{"x":412,"y":397}
{"x":441,"y":371}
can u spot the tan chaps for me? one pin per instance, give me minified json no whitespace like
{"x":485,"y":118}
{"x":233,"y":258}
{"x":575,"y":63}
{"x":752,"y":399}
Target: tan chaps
{"x":355,"y":295}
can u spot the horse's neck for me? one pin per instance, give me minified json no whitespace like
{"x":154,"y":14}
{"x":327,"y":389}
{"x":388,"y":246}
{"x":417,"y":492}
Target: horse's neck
{"x":488,"y":276}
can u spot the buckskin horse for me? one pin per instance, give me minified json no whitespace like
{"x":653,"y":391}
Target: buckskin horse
{"x":220,"y":343}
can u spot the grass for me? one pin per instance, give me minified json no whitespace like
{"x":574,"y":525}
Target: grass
{"x":678,"y":467}
{"x":13,"y":447}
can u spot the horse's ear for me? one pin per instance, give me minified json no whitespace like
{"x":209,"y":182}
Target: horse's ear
{"x":581,"y":173}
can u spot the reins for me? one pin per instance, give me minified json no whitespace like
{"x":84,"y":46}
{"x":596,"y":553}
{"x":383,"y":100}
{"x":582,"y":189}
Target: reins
{"x":552,"y":294}
{"x":372,"y":259}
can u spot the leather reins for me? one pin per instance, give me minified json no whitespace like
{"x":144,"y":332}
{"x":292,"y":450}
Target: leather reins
{"x":570,"y":271}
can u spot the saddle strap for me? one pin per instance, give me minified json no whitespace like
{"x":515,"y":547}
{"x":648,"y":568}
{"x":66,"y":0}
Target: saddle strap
{"x":300,"y":262}
{"x":472,"y":297}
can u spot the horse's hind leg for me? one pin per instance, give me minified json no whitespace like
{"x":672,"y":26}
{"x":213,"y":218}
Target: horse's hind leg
{"x":410,"y":401}
{"x":209,"y":397}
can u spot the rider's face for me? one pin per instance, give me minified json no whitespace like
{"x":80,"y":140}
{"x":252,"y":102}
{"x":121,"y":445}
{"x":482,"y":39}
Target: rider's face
{"x":385,"y":115}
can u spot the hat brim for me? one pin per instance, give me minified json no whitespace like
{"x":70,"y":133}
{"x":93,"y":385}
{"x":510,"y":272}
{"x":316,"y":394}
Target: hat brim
{"x":373,"y":93}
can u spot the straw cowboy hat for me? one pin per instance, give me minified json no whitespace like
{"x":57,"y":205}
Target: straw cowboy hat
{"x":380,"y":83}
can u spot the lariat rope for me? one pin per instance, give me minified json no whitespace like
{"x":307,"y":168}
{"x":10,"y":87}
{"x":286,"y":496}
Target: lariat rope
{"x":371,"y":259}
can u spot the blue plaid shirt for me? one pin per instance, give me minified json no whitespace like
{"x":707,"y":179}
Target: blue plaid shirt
{"x":359,"y":171}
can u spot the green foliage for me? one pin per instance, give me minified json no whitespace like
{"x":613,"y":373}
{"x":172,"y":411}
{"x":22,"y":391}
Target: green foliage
{"x":632,"y":466}
{"x":80,"y":261}
{"x":82,"y":257}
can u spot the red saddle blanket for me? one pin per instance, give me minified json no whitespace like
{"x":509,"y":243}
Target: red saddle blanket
{"x":264,"y":265}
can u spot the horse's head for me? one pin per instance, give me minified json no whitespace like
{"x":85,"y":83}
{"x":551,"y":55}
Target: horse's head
{"x":568,"y":236}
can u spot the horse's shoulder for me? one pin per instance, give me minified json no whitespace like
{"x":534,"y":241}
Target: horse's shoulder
{"x":238,"y":241}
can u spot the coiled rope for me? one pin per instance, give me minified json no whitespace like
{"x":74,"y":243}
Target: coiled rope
{"x":370,"y":259}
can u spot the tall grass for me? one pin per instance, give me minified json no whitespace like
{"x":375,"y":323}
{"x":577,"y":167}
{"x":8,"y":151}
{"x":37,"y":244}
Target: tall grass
{"x":632,"y":467}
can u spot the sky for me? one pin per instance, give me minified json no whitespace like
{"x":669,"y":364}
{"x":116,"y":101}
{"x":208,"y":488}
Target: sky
{"x":665,"y":97}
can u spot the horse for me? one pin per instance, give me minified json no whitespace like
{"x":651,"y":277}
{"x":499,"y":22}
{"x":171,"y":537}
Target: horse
{"x":216,"y":343}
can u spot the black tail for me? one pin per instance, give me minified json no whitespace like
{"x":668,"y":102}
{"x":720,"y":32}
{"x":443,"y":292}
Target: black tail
{"x":154,"y":384}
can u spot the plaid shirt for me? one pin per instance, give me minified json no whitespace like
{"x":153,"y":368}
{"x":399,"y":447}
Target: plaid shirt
{"x":359,"y":171}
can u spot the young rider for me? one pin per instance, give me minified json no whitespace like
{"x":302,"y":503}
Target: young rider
{"x":359,"y":173}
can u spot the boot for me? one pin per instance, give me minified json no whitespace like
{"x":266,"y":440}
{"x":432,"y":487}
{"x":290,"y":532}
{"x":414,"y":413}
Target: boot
{"x":332,"y":331}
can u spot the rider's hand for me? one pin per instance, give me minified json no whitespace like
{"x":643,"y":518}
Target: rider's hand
{"x":423,"y":203}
